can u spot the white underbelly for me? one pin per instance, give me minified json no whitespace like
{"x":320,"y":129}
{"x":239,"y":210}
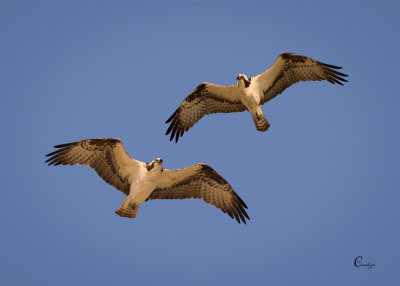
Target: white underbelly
{"x":251,"y":102}
{"x":141,"y":190}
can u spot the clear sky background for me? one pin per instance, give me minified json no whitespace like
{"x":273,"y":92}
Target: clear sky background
{"x":322,"y":185}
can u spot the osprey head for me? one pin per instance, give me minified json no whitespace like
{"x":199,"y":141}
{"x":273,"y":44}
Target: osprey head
{"x":243,"y":80}
{"x":155,"y":164}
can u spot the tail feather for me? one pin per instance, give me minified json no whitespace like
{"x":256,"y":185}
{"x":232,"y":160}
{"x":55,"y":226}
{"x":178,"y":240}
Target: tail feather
{"x":261,"y":122}
{"x":127,"y":209}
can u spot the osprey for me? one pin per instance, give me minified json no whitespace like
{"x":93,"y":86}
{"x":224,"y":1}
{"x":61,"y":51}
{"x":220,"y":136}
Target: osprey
{"x":141,"y":181}
{"x":249,"y":93}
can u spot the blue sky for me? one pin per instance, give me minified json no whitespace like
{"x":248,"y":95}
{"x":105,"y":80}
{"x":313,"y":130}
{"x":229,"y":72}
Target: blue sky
{"x":322,"y":185}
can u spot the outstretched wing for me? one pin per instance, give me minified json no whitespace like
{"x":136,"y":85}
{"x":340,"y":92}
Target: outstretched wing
{"x":202,"y":182}
{"x":106,"y":156}
{"x":205,"y":99}
{"x":291,"y":68}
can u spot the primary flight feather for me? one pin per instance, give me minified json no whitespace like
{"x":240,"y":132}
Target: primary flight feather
{"x":249,"y":93}
{"x":141,"y":181}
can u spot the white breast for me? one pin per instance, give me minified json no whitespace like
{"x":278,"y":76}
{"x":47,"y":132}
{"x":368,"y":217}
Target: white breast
{"x":250,"y":98}
{"x":144,"y":185}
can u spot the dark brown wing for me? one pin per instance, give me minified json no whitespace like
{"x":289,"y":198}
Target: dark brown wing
{"x":106,"y":156}
{"x":202,"y":182}
{"x":205,"y":99}
{"x":289,"y":69}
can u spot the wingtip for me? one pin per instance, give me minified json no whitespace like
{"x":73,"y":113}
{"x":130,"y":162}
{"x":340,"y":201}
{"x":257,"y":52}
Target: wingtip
{"x":175,"y":133}
{"x":169,"y":129}
{"x":64,"y":145}
{"x":50,"y":162}
{"x":172,"y":116}
{"x":331,"y":66}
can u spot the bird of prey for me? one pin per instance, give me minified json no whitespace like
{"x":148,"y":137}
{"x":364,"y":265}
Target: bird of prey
{"x":249,"y":93}
{"x":141,"y":181}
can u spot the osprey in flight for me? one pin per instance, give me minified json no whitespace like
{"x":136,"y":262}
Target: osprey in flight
{"x":249,"y":93}
{"x":141,"y":181}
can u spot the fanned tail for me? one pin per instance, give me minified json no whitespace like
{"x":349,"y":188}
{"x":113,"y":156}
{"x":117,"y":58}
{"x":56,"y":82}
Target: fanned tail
{"x":260,"y":121}
{"x":127,"y":209}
